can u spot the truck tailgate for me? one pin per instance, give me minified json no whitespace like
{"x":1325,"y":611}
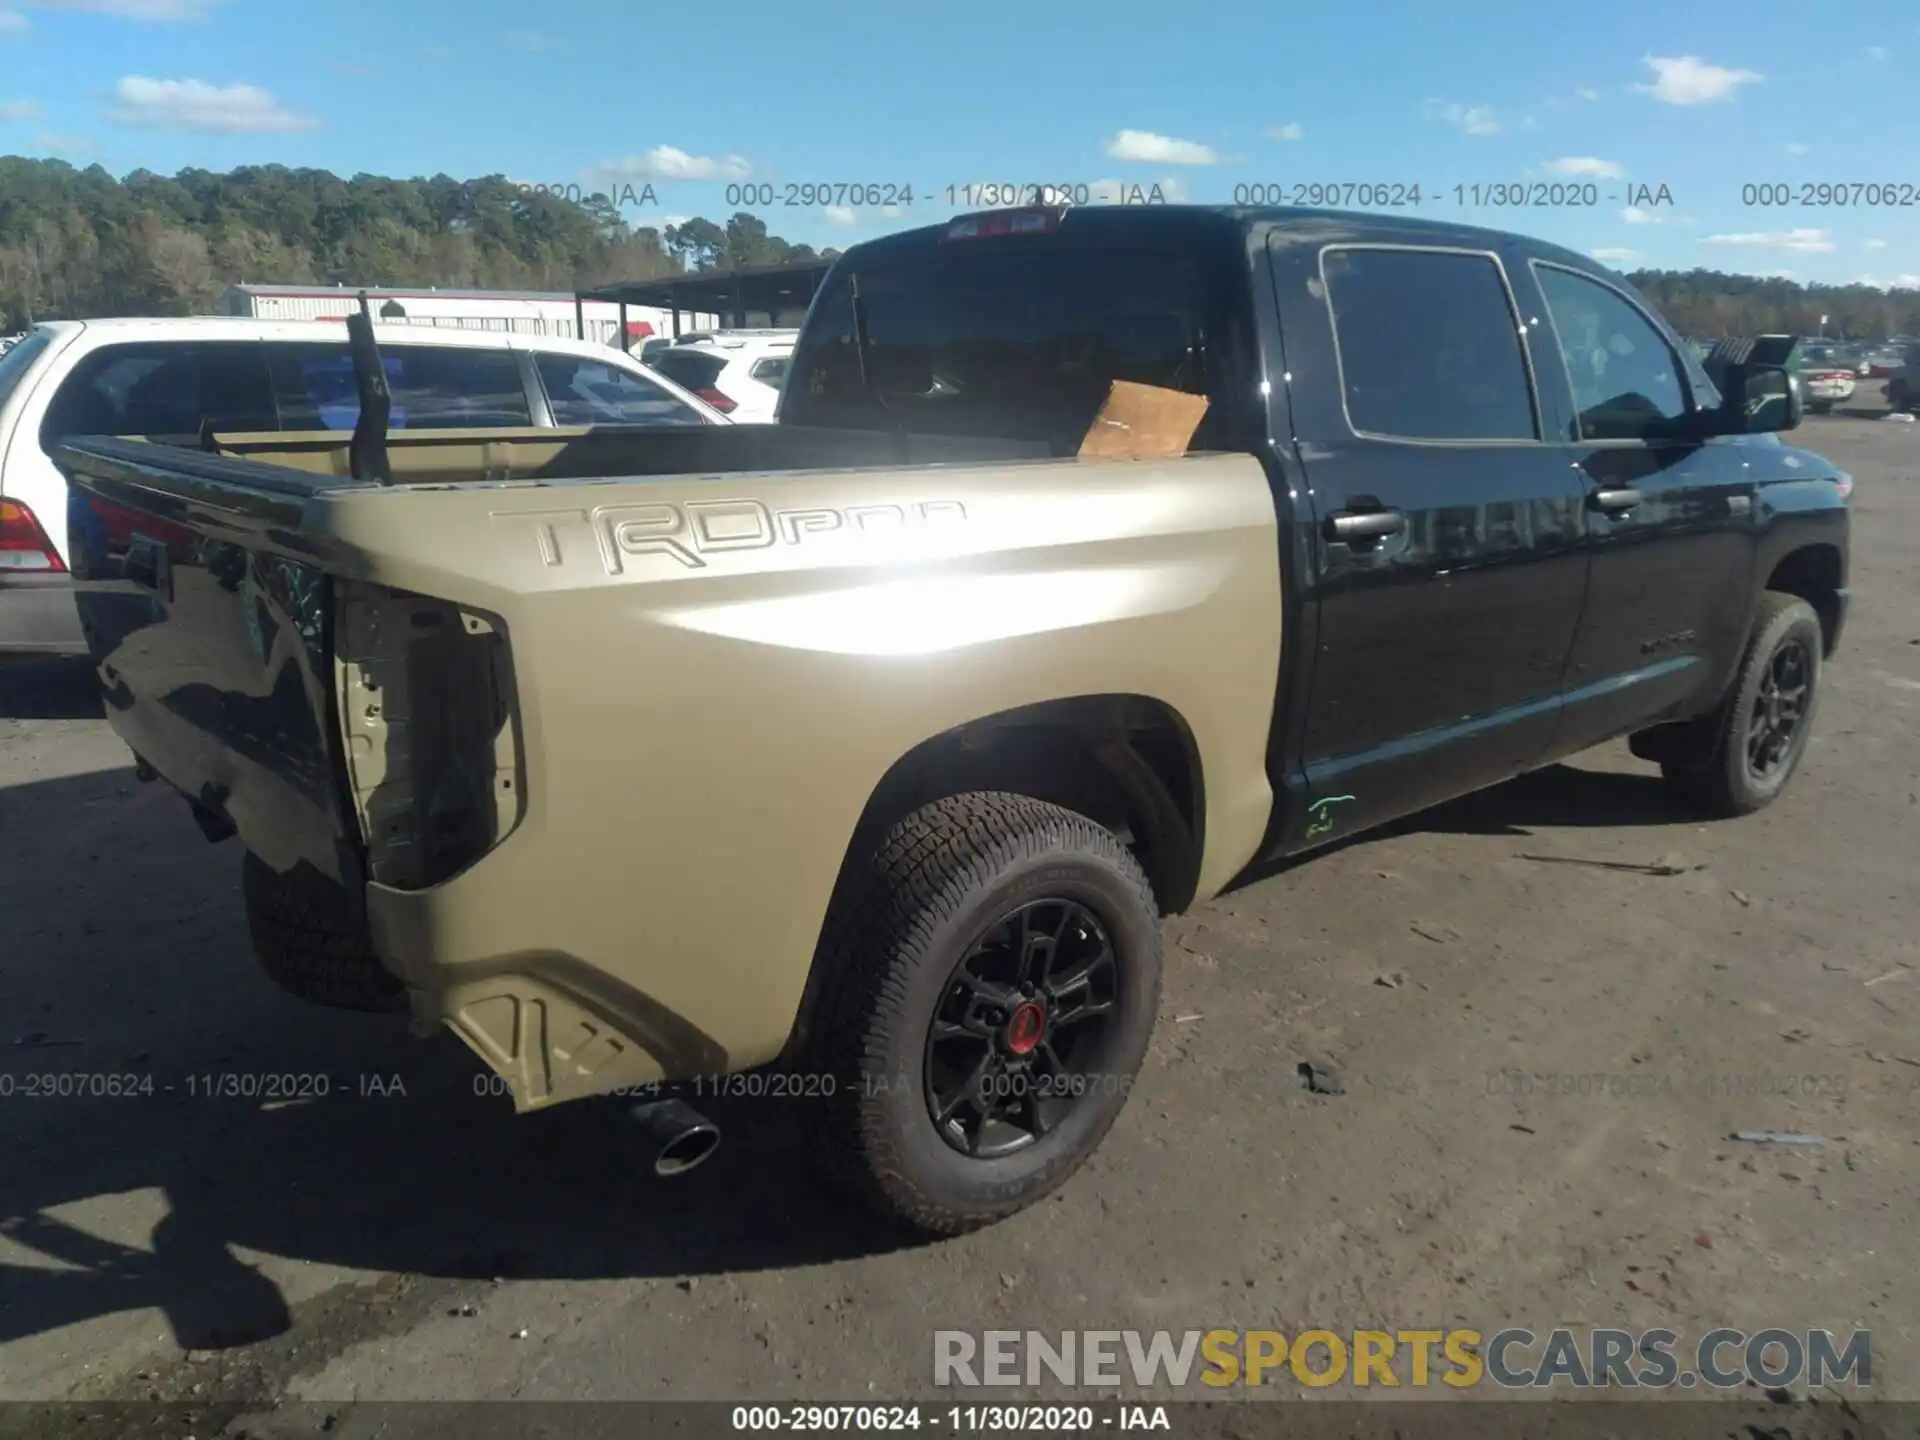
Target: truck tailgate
{"x":209,"y":622}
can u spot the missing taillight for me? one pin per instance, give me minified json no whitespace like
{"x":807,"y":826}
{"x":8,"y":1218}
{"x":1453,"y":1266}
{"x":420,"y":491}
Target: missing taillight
{"x":430,"y":723}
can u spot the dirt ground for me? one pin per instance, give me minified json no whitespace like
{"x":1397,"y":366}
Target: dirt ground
{"x":1544,"y":1050}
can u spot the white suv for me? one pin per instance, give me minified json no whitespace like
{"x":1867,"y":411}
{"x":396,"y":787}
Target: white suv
{"x":738,"y":372}
{"x":168,"y":376}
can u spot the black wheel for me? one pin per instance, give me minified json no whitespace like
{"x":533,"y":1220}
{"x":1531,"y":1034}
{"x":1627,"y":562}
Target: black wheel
{"x":994,"y":978}
{"x":1819,"y":407}
{"x":1741,"y":759}
{"x":312,"y":940}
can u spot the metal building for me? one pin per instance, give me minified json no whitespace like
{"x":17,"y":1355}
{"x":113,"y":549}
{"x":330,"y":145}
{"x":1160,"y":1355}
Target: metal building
{"x":528,"y":313}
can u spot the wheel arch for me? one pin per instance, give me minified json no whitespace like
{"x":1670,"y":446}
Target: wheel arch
{"x":1815,"y":573}
{"x":1127,"y":762}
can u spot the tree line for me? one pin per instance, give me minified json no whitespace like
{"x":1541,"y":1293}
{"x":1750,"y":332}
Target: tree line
{"x":78,"y":243}
{"x":1711,"y":305}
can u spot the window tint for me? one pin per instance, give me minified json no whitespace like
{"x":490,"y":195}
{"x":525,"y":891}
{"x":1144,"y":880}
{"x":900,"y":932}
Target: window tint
{"x":587,"y":392}
{"x":1429,"y":346}
{"x":435,"y":387}
{"x":771,"y":371}
{"x":1626,"y":378}
{"x":164,"y":390}
{"x":689,"y":368}
{"x":19,"y":360}
{"x":1007,"y":341}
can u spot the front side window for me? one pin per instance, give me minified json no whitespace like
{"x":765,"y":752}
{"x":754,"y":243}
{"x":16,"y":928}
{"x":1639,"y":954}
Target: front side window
{"x":1429,"y":346}
{"x":1625,"y":376}
{"x":435,"y":387}
{"x":589,"y":392}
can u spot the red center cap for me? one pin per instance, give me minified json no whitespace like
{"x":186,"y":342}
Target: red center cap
{"x":1024,"y":1027}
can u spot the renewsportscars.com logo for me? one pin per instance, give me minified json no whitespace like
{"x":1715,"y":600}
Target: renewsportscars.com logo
{"x":1513,"y":1358}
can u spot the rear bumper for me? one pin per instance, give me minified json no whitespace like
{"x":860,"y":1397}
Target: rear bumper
{"x":37,"y":614}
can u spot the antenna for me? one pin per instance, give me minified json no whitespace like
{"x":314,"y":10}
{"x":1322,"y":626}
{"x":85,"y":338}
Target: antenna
{"x":367,"y":455}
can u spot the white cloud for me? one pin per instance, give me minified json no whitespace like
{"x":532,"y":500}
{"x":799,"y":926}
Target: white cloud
{"x":1586,"y":92}
{"x":1898,"y":282}
{"x":1796,"y":148}
{"x":1878,"y":52}
{"x":19,"y":110}
{"x":841,"y":214}
{"x":1876,"y":244}
{"x":1527,"y":122}
{"x":163,"y":11}
{"x":203,"y":108}
{"x":892,"y":212}
{"x":1289,"y":131}
{"x":1147,"y":148}
{"x":663,"y":162}
{"x":1468,"y":119}
{"x":12,"y":22}
{"x":1689,"y":80}
{"x":532,"y":41}
{"x":1614,"y":255}
{"x":1634,"y":215}
{"x":62,"y":144}
{"x":1586,"y":165}
{"x":1813,"y":241}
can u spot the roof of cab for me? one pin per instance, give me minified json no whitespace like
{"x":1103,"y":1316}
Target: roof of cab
{"x":1133,"y":224}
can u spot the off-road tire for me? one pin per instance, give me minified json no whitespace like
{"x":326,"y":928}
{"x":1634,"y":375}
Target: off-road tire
{"x":312,"y":941}
{"x":1708,"y":766}
{"x":937,"y":882}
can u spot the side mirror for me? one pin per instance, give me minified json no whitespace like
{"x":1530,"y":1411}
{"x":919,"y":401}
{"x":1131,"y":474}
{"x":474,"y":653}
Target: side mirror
{"x":1758,"y":399}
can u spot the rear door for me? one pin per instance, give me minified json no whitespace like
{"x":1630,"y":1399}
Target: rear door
{"x":1670,"y":517}
{"x":1446,"y":564}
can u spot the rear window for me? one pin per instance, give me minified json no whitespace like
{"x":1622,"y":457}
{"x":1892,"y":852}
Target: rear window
{"x":1021,"y":343}
{"x":435,"y":387}
{"x":590,"y":392}
{"x":690,"y":368}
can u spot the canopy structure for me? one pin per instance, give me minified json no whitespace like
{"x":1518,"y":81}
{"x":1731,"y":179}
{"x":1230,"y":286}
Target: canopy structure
{"x":781,"y":293}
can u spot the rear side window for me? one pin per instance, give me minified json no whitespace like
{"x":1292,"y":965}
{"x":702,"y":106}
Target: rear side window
{"x":435,"y":387}
{"x":689,"y":368}
{"x":1429,"y":346}
{"x":153,"y":389}
{"x":771,"y":371}
{"x":1626,"y":378}
{"x":15,"y":364}
{"x":587,"y":392}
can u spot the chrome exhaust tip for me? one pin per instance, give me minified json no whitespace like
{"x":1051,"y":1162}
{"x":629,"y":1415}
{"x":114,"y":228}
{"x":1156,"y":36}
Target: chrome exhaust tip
{"x":683,"y":1137}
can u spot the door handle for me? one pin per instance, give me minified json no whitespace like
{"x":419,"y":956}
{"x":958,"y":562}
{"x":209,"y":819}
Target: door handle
{"x":1365,"y":525}
{"x":1616,"y":500}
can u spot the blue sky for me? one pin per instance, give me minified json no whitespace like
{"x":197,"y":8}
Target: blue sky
{"x":1701,"y":98}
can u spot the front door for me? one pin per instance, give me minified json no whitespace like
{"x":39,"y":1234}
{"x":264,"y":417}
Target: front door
{"x":1447,"y":570}
{"x":1670,"y":516}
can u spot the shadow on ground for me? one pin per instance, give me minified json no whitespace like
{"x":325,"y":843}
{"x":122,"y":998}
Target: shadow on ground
{"x":149,"y":1042}
{"x":34,"y":687}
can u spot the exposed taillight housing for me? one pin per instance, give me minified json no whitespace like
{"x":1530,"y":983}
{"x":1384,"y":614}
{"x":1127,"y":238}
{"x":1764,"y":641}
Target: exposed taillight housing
{"x":24,"y":544}
{"x":717,"y":400}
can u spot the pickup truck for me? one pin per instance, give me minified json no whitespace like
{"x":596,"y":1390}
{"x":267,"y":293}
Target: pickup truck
{"x":1100,"y":560}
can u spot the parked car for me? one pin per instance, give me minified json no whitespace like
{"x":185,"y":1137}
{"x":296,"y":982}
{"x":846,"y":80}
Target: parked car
{"x":1881,"y":364}
{"x":1903,"y":385}
{"x":168,"y":376}
{"x":738,"y":372}
{"x":1826,"y":376}
{"x":1060,"y":599}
